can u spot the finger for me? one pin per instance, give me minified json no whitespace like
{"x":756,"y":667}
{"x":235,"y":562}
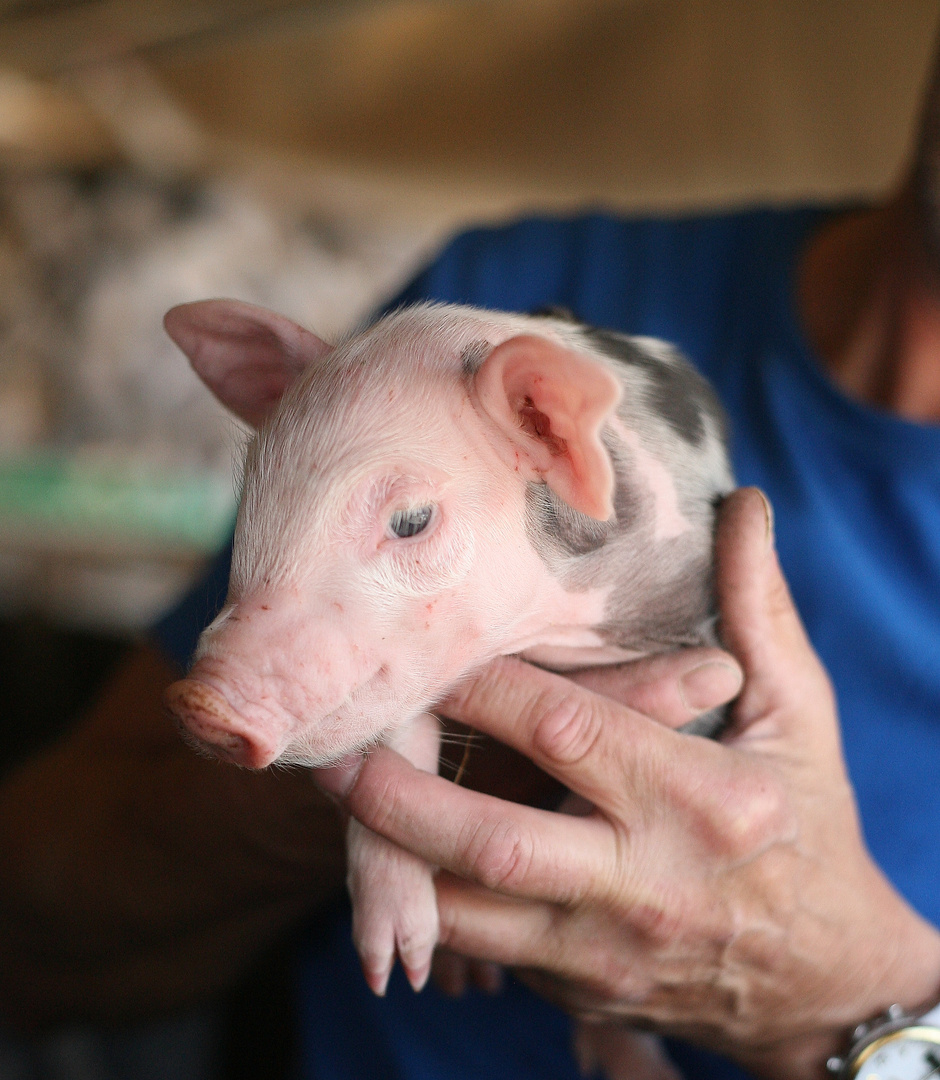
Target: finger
{"x":784,"y":680}
{"x":453,"y":973}
{"x":533,"y":937}
{"x":496,"y":929}
{"x":670,"y":688}
{"x":620,"y":1053}
{"x":450,"y":972}
{"x":612,"y":755}
{"x":504,"y":846}
{"x":488,"y":977}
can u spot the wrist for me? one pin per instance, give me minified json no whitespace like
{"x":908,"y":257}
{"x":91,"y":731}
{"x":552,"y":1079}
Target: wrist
{"x":900,"y":968}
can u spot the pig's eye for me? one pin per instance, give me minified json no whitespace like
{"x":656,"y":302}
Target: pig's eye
{"x":410,"y":522}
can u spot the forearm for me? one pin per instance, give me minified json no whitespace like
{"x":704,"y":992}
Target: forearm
{"x":136,"y":876}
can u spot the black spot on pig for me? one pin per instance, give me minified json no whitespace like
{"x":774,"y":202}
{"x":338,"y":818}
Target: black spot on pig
{"x":677,"y":392}
{"x":553,"y":526}
{"x":630,"y":504}
{"x":552,"y":523}
{"x":471,"y":359}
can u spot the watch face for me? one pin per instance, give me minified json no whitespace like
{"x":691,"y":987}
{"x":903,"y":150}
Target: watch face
{"x":910,"y":1054}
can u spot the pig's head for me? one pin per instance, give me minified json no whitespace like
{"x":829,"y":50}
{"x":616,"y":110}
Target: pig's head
{"x":386,"y":542}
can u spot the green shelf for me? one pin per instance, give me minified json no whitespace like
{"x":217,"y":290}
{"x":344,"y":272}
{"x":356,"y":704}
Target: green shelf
{"x":113,"y":501}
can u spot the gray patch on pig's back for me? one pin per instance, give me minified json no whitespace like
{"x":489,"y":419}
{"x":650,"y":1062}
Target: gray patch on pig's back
{"x":662,"y":595}
{"x":677,"y":391}
{"x":661,"y":590}
{"x":551,"y":523}
{"x":665,"y":601}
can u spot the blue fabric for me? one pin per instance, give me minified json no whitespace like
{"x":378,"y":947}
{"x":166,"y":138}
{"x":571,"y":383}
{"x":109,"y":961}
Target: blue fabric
{"x":179,"y":630}
{"x":857,"y":499}
{"x":350,"y":1033}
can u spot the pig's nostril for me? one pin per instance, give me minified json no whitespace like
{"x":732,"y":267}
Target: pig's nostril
{"x":207,"y":722}
{"x":219,"y":744}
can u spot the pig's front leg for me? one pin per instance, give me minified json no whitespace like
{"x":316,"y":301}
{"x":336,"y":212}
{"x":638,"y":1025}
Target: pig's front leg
{"x":392,"y":891}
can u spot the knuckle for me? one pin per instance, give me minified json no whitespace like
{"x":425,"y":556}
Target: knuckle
{"x":607,"y":976}
{"x":754,"y":814}
{"x":658,"y":921}
{"x":499,"y":853}
{"x":568,"y":728}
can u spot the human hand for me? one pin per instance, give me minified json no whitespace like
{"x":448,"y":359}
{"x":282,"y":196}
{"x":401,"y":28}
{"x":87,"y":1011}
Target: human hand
{"x":717,"y":891}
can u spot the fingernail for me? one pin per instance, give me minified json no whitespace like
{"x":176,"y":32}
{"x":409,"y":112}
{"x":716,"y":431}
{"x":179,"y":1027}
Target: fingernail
{"x":768,"y":519}
{"x":709,"y":684}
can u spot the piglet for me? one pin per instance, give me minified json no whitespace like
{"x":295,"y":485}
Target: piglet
{"x":448,"y":486}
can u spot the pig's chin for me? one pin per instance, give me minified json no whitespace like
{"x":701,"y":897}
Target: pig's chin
{"x":317,"y":752}
{"x":299,"y":754}
{"x":362,"y":722}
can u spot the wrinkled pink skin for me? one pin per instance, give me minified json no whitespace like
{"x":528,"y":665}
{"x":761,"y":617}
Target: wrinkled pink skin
{"x":338,"y":634}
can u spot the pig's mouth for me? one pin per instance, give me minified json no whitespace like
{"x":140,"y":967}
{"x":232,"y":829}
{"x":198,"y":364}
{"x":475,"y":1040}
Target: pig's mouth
{"x":210,"y":724}
{"x":299,"y":752}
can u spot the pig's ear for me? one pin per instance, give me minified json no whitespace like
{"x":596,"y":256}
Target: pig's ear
{"x":247,"y":356}
{"x":552,"y":402}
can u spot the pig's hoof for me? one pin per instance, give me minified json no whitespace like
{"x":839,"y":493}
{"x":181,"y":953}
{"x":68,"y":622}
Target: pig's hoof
{"x":417,"y":965}
{"x":377,"y":971}
{"x":394,"y":909}
{"x":408,"y":930}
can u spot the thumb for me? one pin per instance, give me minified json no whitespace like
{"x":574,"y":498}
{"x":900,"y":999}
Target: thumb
{"x":784,"y":681}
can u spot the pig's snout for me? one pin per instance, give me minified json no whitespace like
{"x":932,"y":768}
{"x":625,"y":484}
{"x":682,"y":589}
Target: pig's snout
{"x":215,"y":726}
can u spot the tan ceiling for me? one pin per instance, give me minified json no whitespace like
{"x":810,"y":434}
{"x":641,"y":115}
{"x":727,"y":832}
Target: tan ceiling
{"x":634,"y":102}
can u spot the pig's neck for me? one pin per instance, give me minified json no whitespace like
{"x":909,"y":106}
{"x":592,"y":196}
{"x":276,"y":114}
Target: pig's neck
{"x":558,"y":631}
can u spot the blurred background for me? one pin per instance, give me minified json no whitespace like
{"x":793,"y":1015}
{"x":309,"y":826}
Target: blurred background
{"x":309,"y":156}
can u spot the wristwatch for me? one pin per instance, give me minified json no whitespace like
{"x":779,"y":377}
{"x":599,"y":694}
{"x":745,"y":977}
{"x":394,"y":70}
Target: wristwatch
{"x":894,"y":1046}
